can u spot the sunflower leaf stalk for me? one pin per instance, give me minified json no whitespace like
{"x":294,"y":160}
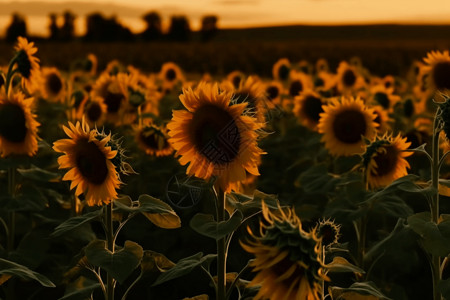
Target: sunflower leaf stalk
{"x":221,"y":249}
{"x":110,"y":242}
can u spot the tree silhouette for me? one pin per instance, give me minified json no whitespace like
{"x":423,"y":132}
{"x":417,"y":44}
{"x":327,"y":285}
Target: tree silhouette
{"x":17,"y":27}
{"x":179,"y":29}
{"x":53,"y":26}
{"x":209,"y":27}
{"x":104,"y":29}
{"x":68,"y":28}
{"x":153,"y":30}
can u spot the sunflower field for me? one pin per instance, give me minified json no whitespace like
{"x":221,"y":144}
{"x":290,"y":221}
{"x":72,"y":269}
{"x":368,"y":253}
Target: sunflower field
{"x":305,"y":181}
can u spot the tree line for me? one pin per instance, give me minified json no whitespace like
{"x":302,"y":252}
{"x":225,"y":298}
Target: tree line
{"x":103,"y":28}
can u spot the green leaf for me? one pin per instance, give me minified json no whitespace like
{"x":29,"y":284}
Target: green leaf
{"x":38,"y":174}
{"x":378,"y":248}
{"x":444,"y":288}
{"x":356,"y":290}
{"x":119,"y":264}
{"x":154,"y":261}
{"x":317,"y":179}
{"x":250,"y":205}
{"x":76,"y":222}
{"x":11,"y":268}
{"x":207,"y":226}
{"x":435,"y":237}
{"x":184,"y":266}
{"x":340,"y":264}
{"x":83,"y":293}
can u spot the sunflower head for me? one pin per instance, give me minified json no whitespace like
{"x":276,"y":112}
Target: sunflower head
{"x":18,"y":125}
{"x":92,"y":161}
{"x":438,"y":69}
{"x":53,"y":85}
{"x":308,"y":107}
{"x":384,"y":160}
{"x":329,"y":232}
{"x":281,"y":69}
{"x":153,"y":140}
{"x":214,"y":136}
{"x":27,"y":64}
{"x":344,"y":123}
{"x":286,"y":257}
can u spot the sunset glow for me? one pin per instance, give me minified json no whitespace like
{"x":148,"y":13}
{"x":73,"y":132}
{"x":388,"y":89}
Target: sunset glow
{"x":240,"y":13}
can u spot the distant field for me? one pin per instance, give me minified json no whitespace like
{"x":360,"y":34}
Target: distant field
{"x":384,"y":49}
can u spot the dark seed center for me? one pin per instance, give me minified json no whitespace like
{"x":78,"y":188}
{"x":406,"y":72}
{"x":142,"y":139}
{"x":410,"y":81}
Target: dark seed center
{"x":283,"y":72}
{"x":113,"y":101}
{"x":349,"y":78}
{"x":215,"y":134}
{"x":93,"y":111}
{"x":272,"y":92}
{"x":312,"y":107}
{"x":295,"y":88}
{"x":382,"y":99}
{"x":171,"y":75}
{"x":12,"y":123}
{"x":91,"y":162}
{"x":54,"y":83}
{"x":441,"y":75}
{"x":386,"y":161}
{"x":349,"y":125}
{"x":153,"y":139}
{"x":24,"y":64}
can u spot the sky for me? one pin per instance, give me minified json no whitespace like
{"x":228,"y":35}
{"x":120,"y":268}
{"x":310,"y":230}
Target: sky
{"x":242,"y":13}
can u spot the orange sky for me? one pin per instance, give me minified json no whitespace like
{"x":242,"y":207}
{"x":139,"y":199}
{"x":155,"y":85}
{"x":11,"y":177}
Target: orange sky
{"x":245,"y":13}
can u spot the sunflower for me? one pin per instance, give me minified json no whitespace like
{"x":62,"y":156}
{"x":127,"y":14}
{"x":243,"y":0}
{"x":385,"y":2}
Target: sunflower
{"x":274,"y":92}
{"x":384,"y":160}
{"x":27,"y":64}
{"x":287,"y":258}
{"x":251,"y":91}
{"x":281,"y":69}
{"x":308,"y":107}
{"x":438,"y":68}
{"x":18,"y":125}
{"x":93,"y":110}
{"x":214,"y":136}
{"x":114,"y":94}
{"x":299,"y":82}
{"x":329,"y":232}
{"x":53,"y":86}
{"x":170,"y":75}
{"x":89,"y":159}
{"x":343,"y":124}
{"x":322,"y":65}
{"x":380,"y":95}
{"x":348,"y":79}
{"x":236,"y":77}
{"x":153,"y":140}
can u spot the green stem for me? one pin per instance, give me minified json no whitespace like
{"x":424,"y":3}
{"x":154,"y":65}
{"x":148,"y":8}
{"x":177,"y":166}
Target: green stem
{"x":11,"y":214}
{"x":110,"y":242}
{"x":362,"y":241}
{"x":221,"y":250}
{"x":435,"y":260}
{"x":322,"y":281}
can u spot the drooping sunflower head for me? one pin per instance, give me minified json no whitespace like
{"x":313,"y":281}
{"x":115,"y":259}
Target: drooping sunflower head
{"x":281,"y":69}
{"x":27,"y":64}
{"x":384,"y":160}
{"x":90,"y":163}
{"x":329,"y":232}
{"x":438,"y":68}
{"x":53,"y":86}
{"x":308,"y":107}
{"x":153,"y":140}
{"x":18,"y":125}
{"x":214,"y":136}
{"x":344,"y":123}
{"x":286,"y":258}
